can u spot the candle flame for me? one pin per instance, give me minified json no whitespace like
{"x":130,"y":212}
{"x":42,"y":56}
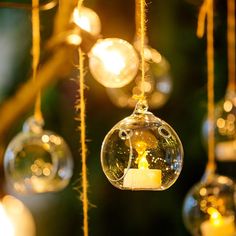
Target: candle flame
{"x":215,"y":216}
{"x":141,"y":160}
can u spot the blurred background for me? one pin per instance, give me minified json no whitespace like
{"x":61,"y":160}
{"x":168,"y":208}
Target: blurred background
{"x":171,"y":30}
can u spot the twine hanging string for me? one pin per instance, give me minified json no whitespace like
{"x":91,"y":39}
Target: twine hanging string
{"x":231,"y":45}
{"x":206,"y":12}
{"x":137,"y":19}
{"x":142,"y":38}
{"x":81,"y":105}
{"x":140,"y":19}
{"x":84,"y":196}
{"x":36,"y":54}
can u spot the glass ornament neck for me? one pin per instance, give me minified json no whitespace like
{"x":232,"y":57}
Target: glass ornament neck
{"x":209,"y":172}
{"x":141,"y":107}
{"x":32,"y":125}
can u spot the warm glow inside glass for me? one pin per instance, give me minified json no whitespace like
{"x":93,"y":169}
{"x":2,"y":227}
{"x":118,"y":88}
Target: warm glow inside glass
{"x":157,"y":85}
{"x":87,"y":20}
{"x":209,"y":208}
{"x":15,"y":218}
{"x":113,"y":62}
{"x":142,"y":152}
{"x":37,"y":160}
{"x":225,"y":128}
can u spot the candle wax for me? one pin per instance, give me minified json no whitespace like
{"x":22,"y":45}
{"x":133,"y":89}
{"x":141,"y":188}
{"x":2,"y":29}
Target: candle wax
{"x":226,"y":151}
{"x":142,"y":179}
{"x":226,"y":227}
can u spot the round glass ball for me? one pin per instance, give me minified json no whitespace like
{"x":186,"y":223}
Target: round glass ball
{"x":209,"y":207}
{"x":157,"y":85}
{"x":88,"y":20}
{"x":37,"y":161}
{"x":142,"y":152}
{"x":113,"y":62}
{"x":15,"y":218}
{"x":225,"y":128}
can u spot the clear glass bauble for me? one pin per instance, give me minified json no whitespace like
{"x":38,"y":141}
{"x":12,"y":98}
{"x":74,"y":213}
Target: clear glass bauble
{"x":37,"y":160}
{"x":209,"y":208}
{"x":15,"y":218}
{"x":142,"y":152}
{"x":157,"y":85}
{"x":225,"y":128}
{"x":88,"y":20}
{"x":113,"y":62}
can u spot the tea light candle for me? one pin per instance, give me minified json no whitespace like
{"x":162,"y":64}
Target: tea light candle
{"x":226,"y":151}
{"x":225,"y":227}
{"x":142,"y":179}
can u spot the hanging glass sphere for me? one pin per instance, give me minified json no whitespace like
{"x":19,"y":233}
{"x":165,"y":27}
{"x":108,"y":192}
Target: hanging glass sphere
{"x":113,"y":62}
{"x":37,"y":160}
{"x":88,"y":20}
{"x":142,"y":152}
{"x":15,"y":218}
{"x":209,"y":208}
{"x":157,"y":85}
{"x":225,"y":128}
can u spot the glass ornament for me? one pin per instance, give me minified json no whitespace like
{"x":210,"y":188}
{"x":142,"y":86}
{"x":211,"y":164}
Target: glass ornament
{"x":209,"y":208}
{"x":157,"y":85}
{"x":15,"y":218}
{"x":113,"y":62}
{"x":142,"y":152}
{"x":37,"y":160}
{"x":88,"y":20}
{"x":225,"y":128}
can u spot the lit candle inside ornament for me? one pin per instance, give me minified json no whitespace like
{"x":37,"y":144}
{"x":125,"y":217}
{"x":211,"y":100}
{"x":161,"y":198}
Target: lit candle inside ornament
{"x":218,"y":225}
{"x":142,"y":177}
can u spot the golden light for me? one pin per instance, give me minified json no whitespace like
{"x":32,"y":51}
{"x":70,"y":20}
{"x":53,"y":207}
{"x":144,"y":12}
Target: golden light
{"x":87,"y":20}
{"x":157,"y":85}
{"x":141,"y":152}
{"x":113,"y":62}
{"x":15,"y":218}
{"x":143,"y":177}
{"x":218,"y":225}
{"x":74,"y":39}
{"x":215,"y":216}
{"x":6,"y":227}
{"x":228,"y":106}
{"x":220,"y":123}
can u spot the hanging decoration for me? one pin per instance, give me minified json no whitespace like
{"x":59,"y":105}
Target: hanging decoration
{"x":209,"y":206}
{"x":113,"y":62}
{"x":158,"y":83}
{"x":142,"y":152}
{"x":15,"y":218}
{"x":88,"y":20}
{"x":225,"y":120}
{"x":36,"y":160}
